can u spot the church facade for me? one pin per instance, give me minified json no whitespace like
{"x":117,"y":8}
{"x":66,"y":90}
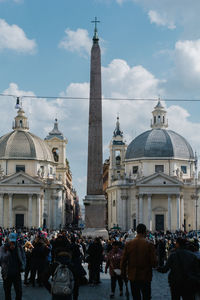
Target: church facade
{"x":32,"y":177}
{"x":153,"y":180}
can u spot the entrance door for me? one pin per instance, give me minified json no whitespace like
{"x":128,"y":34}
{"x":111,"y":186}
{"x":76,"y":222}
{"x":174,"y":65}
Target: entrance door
{"x":160,"y":222}
{"x":19,"y":220}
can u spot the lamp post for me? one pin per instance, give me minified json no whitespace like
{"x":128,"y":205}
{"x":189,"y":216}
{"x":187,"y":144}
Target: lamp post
{"x":196,"y":188}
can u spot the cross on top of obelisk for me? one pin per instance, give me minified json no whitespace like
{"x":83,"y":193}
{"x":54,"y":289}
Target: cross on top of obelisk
{"x":95,"y":37}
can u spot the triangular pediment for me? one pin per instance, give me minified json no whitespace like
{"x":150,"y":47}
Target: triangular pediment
{"x":159,"y":179}
{"x":20,"y":178}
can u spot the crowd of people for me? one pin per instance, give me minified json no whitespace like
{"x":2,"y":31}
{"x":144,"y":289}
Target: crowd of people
{"x":56,"y":260}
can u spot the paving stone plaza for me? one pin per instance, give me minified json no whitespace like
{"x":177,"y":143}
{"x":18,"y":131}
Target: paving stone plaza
{"x":160,"y":290}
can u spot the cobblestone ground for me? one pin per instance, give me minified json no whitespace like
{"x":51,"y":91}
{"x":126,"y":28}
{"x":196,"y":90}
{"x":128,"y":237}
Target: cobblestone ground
{"x":160,"y":290}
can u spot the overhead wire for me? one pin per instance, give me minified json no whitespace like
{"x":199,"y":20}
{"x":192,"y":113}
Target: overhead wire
{"x":103,"y":98}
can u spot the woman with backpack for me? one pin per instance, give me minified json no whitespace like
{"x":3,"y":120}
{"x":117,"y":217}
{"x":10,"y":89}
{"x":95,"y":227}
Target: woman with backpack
{"x":64,"y":284}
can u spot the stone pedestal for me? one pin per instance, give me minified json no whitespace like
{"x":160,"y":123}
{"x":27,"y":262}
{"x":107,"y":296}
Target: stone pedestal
{"x":95,"y":216}
{"x":95,"y":232}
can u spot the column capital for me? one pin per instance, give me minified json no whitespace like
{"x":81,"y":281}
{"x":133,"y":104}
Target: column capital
{"x":149,"y":195}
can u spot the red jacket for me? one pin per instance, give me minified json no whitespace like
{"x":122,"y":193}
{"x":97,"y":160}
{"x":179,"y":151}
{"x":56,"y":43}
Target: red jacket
{"x":113,"y":261}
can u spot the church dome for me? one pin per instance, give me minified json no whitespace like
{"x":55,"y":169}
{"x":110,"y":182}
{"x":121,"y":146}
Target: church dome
{"x":159,"y":143}
{"x":21,"y":144}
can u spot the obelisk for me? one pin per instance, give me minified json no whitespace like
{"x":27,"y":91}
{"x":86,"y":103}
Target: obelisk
{"x":95,"y":202}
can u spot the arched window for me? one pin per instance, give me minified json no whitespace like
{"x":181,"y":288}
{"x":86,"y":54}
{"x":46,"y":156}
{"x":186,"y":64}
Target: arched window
{"x":20,"y":123}
{"x":163,"y":119}
{"x":118,"y":157}
{"x":55,"y":152}
{"x":154,"y":119}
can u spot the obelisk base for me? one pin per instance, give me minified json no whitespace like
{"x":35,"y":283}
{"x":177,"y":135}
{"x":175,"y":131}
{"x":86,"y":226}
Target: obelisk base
{"x":95,"y":216}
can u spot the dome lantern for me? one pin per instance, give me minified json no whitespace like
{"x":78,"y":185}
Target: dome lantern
{"x":21,"y":122}
{"x":159,"y":117}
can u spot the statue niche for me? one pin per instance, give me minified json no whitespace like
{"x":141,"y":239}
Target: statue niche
{"x":55,"y":152}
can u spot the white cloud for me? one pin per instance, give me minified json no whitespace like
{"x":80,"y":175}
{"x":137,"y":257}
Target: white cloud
{"x":156,"y":18}
{"x":187,"y":60}
{"x":16,"y":1}
{"x":41,"y":112}
{"x":184,"y":77}
{"x":14,"y":38}
{"x":121,"y":1}
{"x":76,"y":41}
{"x":186,"y":128}
{"x":134,"y":82}
{"x":172,"y":13}
{"x":119,"y":80}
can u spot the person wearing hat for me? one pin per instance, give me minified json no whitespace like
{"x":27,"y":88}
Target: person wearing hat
{"x":12,"y":262}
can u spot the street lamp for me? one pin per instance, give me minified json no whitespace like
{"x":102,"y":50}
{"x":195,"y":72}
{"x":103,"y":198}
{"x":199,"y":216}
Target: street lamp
{"x":196,"y":188}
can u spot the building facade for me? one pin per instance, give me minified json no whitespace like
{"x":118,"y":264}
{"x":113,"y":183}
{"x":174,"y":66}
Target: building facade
{"x":153,"y":180}
{"x":32,"y":177}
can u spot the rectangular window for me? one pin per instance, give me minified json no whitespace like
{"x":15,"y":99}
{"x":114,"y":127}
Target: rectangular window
{"x":51,"y":170}
{"x":135,"y":169}
{"x":159,"y":168}
{"x":184,"y":169}
{"x":20,"y":168}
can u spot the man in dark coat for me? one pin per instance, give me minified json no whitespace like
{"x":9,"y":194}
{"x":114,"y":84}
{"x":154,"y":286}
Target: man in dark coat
{"x":12,"y":262}
{"x":182,"y":263}
{"x":38,"y":259}
{"x":95,"y":252}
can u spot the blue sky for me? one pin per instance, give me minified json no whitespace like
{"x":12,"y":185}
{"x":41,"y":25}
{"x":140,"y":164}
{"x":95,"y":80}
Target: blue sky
{"x":149,"y":48}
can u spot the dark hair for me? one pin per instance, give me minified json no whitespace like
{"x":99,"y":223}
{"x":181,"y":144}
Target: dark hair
{"x":115,"y":243}
{"x":141,"y":228}
{"x":181,"y":242}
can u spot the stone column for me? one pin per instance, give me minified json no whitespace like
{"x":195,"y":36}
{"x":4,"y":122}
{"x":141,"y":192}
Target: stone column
{"x":42,"y":209}
{"x":140,"y":208}
{"x":178,"y":211}
{"x":169,"y":213}
{"x":1,"y":211}
{"x":38,"y":210}
{"x":10,"y":212}
{"x":182,"y":213}
{"x":30,"y":221}
{"x":55,"y":212}
{"x":137,"y":211}
{"x":149,"y":213}
{"x":124,"y":199}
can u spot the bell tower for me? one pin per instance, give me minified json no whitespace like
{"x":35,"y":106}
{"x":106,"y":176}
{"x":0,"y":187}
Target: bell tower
{"x":117,"y":154}
{"x":57,"y":144}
